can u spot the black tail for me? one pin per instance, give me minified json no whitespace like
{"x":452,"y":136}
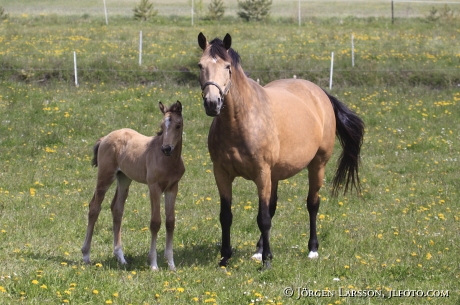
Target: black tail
{"x":95,"y":150}
{"x":350,"y":131}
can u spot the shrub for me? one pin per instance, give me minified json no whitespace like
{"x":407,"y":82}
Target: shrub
{"x":254,"y":9}
{"x":216,"y":10}
{"x":144,"y":11}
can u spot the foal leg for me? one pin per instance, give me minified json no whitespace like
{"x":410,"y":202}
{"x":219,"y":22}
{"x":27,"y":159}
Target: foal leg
{"x":272,"y":209}
{"x":155,"y":223}
{"x":104,"y":180}
{"x":117,"y":207}
{"x":315,"y":177}
{"x":170,"y":200}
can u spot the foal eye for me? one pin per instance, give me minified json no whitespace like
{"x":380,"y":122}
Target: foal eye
{"x":177,"y":126}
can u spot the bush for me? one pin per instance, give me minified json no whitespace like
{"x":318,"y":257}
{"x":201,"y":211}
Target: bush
{"x":254,"y":9}
{"x":144,"y":11}
{"x":216,"y":10}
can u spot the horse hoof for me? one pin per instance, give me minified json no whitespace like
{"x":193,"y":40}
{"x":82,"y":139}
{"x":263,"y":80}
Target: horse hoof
{"x":313,"y":255}
{"x":257,"y":257}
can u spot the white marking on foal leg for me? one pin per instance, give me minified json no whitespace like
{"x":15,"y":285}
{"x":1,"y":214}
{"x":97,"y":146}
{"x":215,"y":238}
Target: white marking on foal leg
{"x":119,"y":255}
{"x":313,"y":255}
{"x":153,"y":255}
{"x":86,"y":259}
{"x":257,"y":256}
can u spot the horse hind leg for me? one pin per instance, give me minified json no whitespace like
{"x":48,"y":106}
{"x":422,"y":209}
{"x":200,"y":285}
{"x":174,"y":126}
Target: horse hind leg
{"x":104,"y":181}
{"x":117,"y":207}
{"x":272,"y":209}
{"x":315,"y":176}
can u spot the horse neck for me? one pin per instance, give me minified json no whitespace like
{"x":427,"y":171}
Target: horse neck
{"x":236,"y":105}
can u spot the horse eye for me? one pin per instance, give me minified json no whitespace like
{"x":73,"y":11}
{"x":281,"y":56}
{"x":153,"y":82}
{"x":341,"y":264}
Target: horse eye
{"x":227,"y":67}
{"x":200,"y":66}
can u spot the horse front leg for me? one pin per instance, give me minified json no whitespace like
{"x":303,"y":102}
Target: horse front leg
{"x":117,"y":207}
{"x":272,"y":210}
{"x":224,"y":186}
{"x":155,"y":223}
{"x":170,"y":200}
{"x":264,"y":220}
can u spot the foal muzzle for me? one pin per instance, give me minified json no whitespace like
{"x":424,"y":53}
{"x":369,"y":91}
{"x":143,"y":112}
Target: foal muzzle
{"x":167,"y":149}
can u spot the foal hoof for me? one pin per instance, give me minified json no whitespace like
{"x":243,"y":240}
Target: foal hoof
{"x":313,"y":255}
{"x":257,"y":257}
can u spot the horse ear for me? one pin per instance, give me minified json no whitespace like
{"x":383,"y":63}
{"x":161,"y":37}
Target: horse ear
{"x":202,"y":42}
{"x":179,"y":107}
{"x":227,"y":41}
{"x":162,"y":107}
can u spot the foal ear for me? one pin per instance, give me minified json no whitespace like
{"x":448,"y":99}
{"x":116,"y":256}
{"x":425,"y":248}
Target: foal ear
{"x":202,"y":42}
{"x":227,"y":41}
{"x":162,"y":107}
{"x":179,"y":107}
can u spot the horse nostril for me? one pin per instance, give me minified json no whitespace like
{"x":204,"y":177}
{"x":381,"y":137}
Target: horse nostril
{"x":166,"y":149}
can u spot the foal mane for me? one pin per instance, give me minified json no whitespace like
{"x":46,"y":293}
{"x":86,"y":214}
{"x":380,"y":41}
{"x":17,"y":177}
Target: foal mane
{"x":218,"y":50}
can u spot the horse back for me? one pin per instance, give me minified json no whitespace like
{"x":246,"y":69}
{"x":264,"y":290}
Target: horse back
{"x":304,"y":120}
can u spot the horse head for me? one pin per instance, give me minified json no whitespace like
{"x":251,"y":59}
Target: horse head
{"x":215,"y":72}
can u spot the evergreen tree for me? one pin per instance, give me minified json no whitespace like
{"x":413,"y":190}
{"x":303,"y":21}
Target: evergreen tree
{"x":144,"y":11}
{"x":216,"y":10}
{"x":254,"y":9}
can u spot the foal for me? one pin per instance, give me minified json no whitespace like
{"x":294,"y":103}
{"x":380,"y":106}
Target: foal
{"x":127,"y":155}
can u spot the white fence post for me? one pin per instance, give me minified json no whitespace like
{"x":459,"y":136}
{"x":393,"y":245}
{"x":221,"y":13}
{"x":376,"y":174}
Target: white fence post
{"x":332,"y":70}
{"x":105,"y":12}
{"x":140,"y":48}
{"x":75,"y":67}
{"x":352,"y":51}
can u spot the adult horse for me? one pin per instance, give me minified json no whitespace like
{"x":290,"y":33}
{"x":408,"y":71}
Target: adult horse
{"x":267,"y":134}
{"x":125,"y":155}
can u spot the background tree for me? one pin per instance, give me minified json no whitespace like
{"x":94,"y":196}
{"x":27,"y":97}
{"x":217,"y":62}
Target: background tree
{"x":254,"y":9}
{"x":216,"y":10}
{"x":3,"y":15}
{"x":144,"y":11}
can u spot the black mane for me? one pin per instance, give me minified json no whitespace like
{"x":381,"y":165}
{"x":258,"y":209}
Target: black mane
{"x":218,"y":50}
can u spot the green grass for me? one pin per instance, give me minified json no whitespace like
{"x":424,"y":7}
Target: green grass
{"x":401,"y":233}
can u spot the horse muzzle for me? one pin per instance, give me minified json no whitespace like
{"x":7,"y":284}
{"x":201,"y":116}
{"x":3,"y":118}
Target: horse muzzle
{"x":212,"y":108}
{"x":167,"y":149}
{"x":212,"y":101}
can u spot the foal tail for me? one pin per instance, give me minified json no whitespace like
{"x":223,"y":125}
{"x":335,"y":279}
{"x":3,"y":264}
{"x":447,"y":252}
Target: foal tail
{"x":95,"y":150}
{"x":350,"y":131}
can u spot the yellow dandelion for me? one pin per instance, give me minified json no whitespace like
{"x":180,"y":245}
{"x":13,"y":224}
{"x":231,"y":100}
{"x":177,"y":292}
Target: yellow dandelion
{"x":35,"y":282}
{"x":2,"y":289}
{"x":95,"y":291}
{"x":108,"y":302}
{"x":428,"y":256}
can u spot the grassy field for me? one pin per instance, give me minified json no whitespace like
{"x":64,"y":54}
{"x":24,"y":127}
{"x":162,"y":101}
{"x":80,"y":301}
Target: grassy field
{"x":401,"y":233}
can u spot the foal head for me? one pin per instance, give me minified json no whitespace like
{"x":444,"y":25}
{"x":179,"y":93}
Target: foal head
{"x":216,"y":71}
{"x":171,"y":127}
